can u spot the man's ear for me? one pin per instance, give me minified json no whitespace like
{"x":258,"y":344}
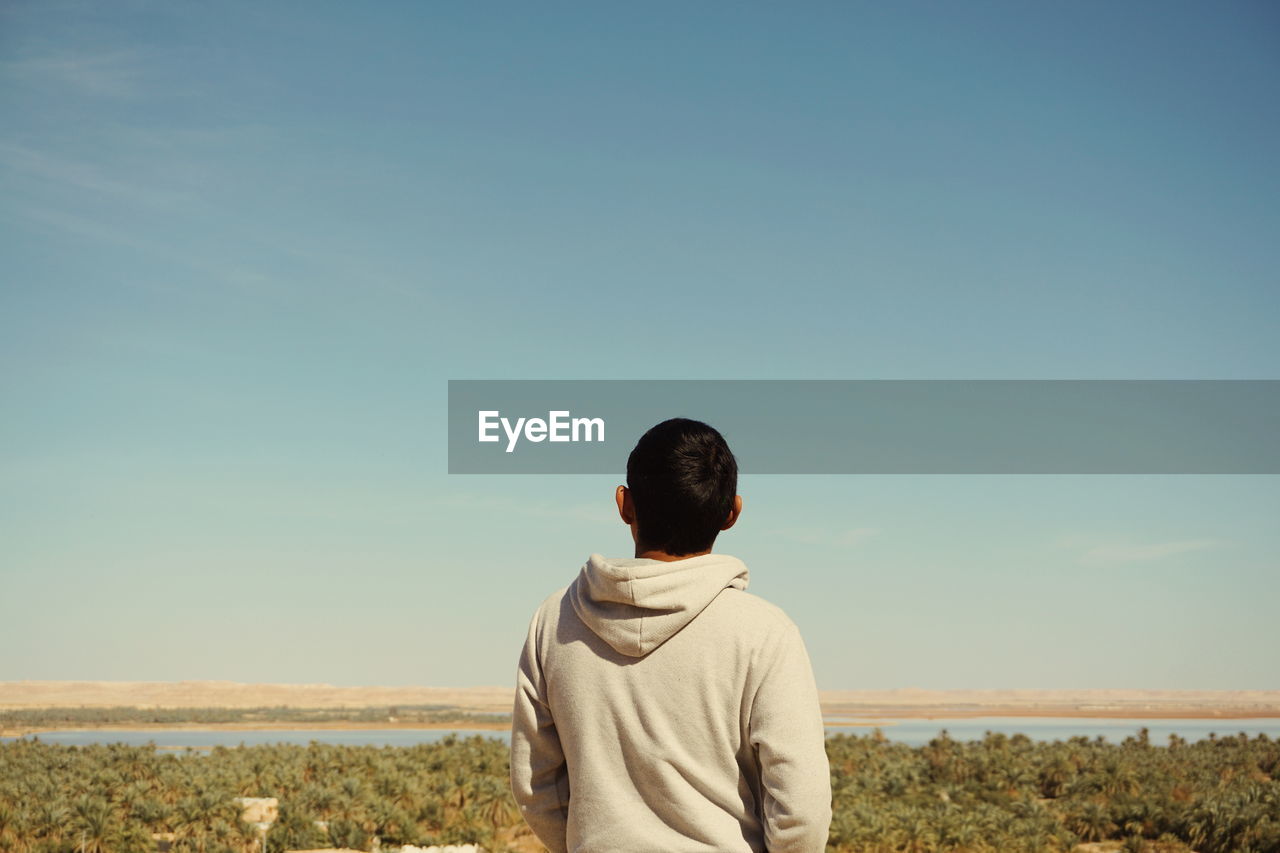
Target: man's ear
{"x":733,"y":513}
{"x":626,"y":509}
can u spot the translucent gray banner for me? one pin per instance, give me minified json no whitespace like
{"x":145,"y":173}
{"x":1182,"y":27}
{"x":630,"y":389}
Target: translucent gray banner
{"x":877,"y":426}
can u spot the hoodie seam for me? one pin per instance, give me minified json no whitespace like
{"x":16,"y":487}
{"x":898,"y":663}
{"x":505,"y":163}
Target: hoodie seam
{"x":779,"y":641}
{"x":631,"y":590}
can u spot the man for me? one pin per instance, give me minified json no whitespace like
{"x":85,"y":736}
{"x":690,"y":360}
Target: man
{"x":659,"y":705}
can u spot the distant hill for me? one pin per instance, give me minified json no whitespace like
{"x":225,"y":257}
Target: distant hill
{"x":903,"y":702}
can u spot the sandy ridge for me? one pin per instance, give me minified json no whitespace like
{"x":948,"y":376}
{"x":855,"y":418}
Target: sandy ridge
{"x":901,"y":702}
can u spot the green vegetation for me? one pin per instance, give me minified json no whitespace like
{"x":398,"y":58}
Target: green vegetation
{"x":1002,"y":793}
{"x":41,"y":718}
{"x":1220,"y":795}
{"x":116,"y":796}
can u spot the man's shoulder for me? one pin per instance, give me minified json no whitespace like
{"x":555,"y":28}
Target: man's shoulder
{"x":549,"y":609}
{"x":754,"y":610}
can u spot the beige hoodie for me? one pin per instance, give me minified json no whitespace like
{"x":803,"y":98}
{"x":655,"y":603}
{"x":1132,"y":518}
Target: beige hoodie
{"x":661,"y":707}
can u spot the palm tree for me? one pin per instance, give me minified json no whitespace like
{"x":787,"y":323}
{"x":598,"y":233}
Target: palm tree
{"x":1092,"y":822}
{"x":51,"y":817}
{"x":97,"y":831}
{"x":494,"y":802}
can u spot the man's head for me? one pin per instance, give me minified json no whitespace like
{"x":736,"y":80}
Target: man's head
{"x":682,"y":489}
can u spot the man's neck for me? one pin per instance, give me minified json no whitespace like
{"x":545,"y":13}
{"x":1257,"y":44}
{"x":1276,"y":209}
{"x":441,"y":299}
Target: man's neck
{"x":647,"y":554}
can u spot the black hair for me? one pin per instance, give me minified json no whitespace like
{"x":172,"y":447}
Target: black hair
{"x":683,"y":479}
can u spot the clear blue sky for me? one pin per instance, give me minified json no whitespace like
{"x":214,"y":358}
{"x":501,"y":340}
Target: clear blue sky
{"x":245,"y":245}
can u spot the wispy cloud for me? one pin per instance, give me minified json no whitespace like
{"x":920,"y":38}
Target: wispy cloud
{"x":82,"y":176}
{"x":79,"y":226}
{"x":1116,"y":553}
{"x":842,"y":538}
{"x":111,"y":74}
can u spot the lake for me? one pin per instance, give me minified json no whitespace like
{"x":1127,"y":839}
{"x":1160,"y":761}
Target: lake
{"x":913,"y":732}
{"x":919,"y":732}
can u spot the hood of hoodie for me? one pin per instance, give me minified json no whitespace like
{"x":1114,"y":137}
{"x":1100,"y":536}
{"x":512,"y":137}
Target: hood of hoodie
{"x":636,"y":605}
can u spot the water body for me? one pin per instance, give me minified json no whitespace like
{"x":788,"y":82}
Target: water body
{"x":911,"y":732}
{"x":920,"y":732}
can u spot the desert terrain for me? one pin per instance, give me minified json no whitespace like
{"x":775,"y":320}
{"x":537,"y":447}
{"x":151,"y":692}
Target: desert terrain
{"x":907,"y":703}
{"x":840,"y":707}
